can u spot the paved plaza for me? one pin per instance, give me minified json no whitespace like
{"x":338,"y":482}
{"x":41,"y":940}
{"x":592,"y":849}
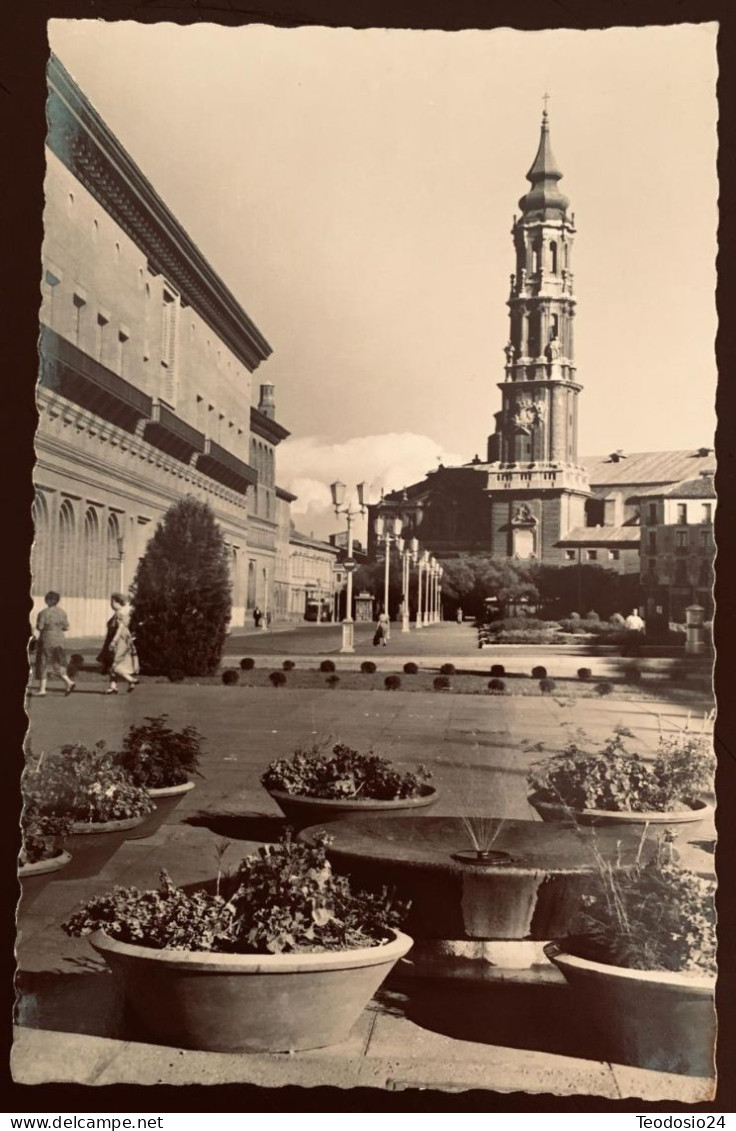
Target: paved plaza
{"x":71,"y":1024}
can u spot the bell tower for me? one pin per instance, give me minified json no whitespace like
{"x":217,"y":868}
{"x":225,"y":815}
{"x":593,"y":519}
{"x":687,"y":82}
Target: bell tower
{"x":533,"y":452}
{"x":538,"y":420}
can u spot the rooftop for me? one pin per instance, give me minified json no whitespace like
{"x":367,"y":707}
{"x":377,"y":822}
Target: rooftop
{"x":602,"y":535}
{"x":655,"y":468}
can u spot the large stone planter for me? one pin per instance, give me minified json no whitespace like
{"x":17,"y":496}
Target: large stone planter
{"x":651,"y":1018}
{"x":551,"y":810}
{"x":166,"y":800}
{"x":249,"y":1002}
{"x":303,"y":811}
{"x":92,"y":844}
{"x":35,"y":877}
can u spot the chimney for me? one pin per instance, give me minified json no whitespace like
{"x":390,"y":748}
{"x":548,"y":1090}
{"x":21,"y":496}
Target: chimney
{"x":267,"y":403}
{"x":704,"y":451}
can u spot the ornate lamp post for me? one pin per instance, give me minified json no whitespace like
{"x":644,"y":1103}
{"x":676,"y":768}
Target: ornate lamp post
{"x":338,"y":490}
{"x":440,"y":572}
{"x":423,"y":565}
{"x":387,"y":534}
{"x":405,"y":551}
{"x":412,"y":559}
{"x":431,"y":572}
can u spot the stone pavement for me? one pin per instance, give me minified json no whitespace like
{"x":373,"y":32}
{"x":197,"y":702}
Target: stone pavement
{"x":71,"y":1025}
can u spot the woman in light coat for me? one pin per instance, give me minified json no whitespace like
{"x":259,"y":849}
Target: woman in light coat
{"x":118,"y":655}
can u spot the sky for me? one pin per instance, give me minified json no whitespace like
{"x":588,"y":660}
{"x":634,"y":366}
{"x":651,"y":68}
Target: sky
{"x":356,"y":189}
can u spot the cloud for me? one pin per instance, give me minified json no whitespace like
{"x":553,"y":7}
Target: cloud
{"x":390,"y":461}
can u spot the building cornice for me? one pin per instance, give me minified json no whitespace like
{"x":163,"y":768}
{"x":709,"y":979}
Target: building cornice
{"x":266,"y":428}
{"x":88,"y":148}
{"x":282,"y":493}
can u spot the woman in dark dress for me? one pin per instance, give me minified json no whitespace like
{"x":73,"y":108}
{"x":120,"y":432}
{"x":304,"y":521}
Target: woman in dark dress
{"x":51,"y":624}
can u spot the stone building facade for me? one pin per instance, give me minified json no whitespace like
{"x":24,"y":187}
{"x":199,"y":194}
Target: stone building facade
{"x":145,"y":386}
{"x":678,"y":548}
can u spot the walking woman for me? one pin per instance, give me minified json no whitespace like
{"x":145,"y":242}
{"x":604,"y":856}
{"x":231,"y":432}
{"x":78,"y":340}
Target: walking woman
{"x":118,"y":656}
{"x":51,"y":625}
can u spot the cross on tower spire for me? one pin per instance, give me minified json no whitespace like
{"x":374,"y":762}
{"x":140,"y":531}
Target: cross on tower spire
{"x":545,"y":99}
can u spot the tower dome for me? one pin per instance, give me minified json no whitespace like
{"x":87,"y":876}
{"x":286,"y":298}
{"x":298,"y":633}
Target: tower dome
{"x":544,"y":198}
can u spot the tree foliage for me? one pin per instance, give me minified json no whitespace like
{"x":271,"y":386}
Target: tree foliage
{"x":181,"y":593}
{"x":469,"y":579}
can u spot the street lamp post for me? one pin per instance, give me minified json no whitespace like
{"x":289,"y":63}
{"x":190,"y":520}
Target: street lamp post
{"x":412,"y":559}
{"x":405,"y":552}
{"x":338,"y":501}
{"x":440,"y":572}
{"x":387,"y":535}
{"x":423,"y":567}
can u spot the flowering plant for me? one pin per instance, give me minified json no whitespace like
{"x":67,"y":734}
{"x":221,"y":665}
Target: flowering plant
{"x":616,"y":780}
{"x":284,"y":897}
{"x":83,"y":784}
{"x":343,"y":773}
{"x":155,"y":756}
{"x":657,"y":916}
{"x":41,"y":835}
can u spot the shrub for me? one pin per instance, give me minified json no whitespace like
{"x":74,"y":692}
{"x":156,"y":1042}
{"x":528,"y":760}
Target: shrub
{"x":247,"y":664}
{"x":343,"y":772}
{"x":368,"y":667}
{"x":655,"y":917}
{"x":605,"y":687}
{"x":41,"y":836}
{"x":496,"y":686}
{"x":392,"y":682}
{"x":285,"y":897}
{"x":83,"y":784}
{"x":616,"y":620}
{"x":176,"y":675}
{"x":332,"y":680}
{"x":575,"y":616}
{"x":539,"y":672}
{"x":288,"y":665}
{"x":592,"y":616}
{"x":278,"y":679}
{"x":584,"y":673}
{"x":155,"y":756}
{"x":498,"y":670}
{"x":632,"y":675}
{"x":181,"y":593}
{"x":411,"y":668}
{"x":327,"y":666}
{"x":615,"y":780}
{"x":447,"y":669}
{"x":230,"y":677}
{"x":547,"y":685}
{"x":441,"y":683}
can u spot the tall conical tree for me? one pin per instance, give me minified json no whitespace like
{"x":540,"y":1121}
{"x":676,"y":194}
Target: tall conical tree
{"x":182,"y":594}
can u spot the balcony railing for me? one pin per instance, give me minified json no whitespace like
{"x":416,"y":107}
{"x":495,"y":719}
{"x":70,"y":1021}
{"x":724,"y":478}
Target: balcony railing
{"x":67,"y":370}
{"x":220,"y":464}
{"x":172,"y":434}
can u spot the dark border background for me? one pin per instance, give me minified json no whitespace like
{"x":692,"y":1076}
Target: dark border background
{"x":23,"y":56}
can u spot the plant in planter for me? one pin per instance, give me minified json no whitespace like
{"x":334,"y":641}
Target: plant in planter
{"x":277,"y":679}
{"x":447,"y":669}
{"x":539,"y":672}
{"x":327,"y":666}
{"x":641,"y":962}
{"x":280,"y":956}
{"x":496,"y":686}
{"x":247,"y":664}
{"x":614,"y":786}
{"x":42,"y":854}
{"x":498,"y":671}
{"x":392,"y":682}
{"x":90,"y":788}
{"x":368,"y":667}
{"x":322,"y":783}
{"x":162,"y":761}
{"x":441,"y":683}
{"x":288,"y":665}
{"x":410,"y":668}
{"x":230,"y":677}
{"x":584,"y":674}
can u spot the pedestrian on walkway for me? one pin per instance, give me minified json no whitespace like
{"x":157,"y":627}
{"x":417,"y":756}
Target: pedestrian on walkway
{"x":118,"y":656}
{"x":257,"y":617}
{"x":51,"y":624}
{"x":459,"y":616}
{"x":268,"y":619}
{"x":383,"y":631}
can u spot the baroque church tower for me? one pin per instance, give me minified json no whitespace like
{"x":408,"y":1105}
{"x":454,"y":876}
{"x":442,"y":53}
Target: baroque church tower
{"x":532,"y":456}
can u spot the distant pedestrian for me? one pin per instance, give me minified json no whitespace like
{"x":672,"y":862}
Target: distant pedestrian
{"x":51,"y":624}
{"x":383,"y":631}
{"x":268,"y":619}
{"x":257,"y":617}
{"x":459,"y":616}
{"x":118,"y":657}
{"x":633,"y":622}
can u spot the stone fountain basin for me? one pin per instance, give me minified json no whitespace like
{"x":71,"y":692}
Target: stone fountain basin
{"x":534,"y":894}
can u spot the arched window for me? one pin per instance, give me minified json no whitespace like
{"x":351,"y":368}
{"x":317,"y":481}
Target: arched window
{"x":91,"y":579}
{"x":40,"y":550}
{"x":65,"y":581}
{"x":113,"y":555}
{"x":553,"y":256}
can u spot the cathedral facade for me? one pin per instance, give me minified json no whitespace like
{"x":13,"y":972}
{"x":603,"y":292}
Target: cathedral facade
{"x":534,"y":497}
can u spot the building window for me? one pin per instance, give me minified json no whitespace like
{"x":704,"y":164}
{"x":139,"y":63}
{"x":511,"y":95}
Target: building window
{"x":615,"y":555}
{"x":681,"y":540}
{"x":80,"y":303}
{"x":682,"y":514}
{"x":114,"y":554}
{"x":553,"y":259}
{"x":123,"y":339}
{"x":168,"y":344}
{"x":652,"y":565}
{"x":705,"y":537}
{"x":91,"y":555}
{"x":652,"y":516}
{"x":67,"y":554}
{"x":707,"y":512}
{"x":591,"y":555}
{"x":40,"y":549}
{"x":570,"y":555}
{"x":652,"y":542}
{"x":100,"y":335}
{"x":680,"y":573}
